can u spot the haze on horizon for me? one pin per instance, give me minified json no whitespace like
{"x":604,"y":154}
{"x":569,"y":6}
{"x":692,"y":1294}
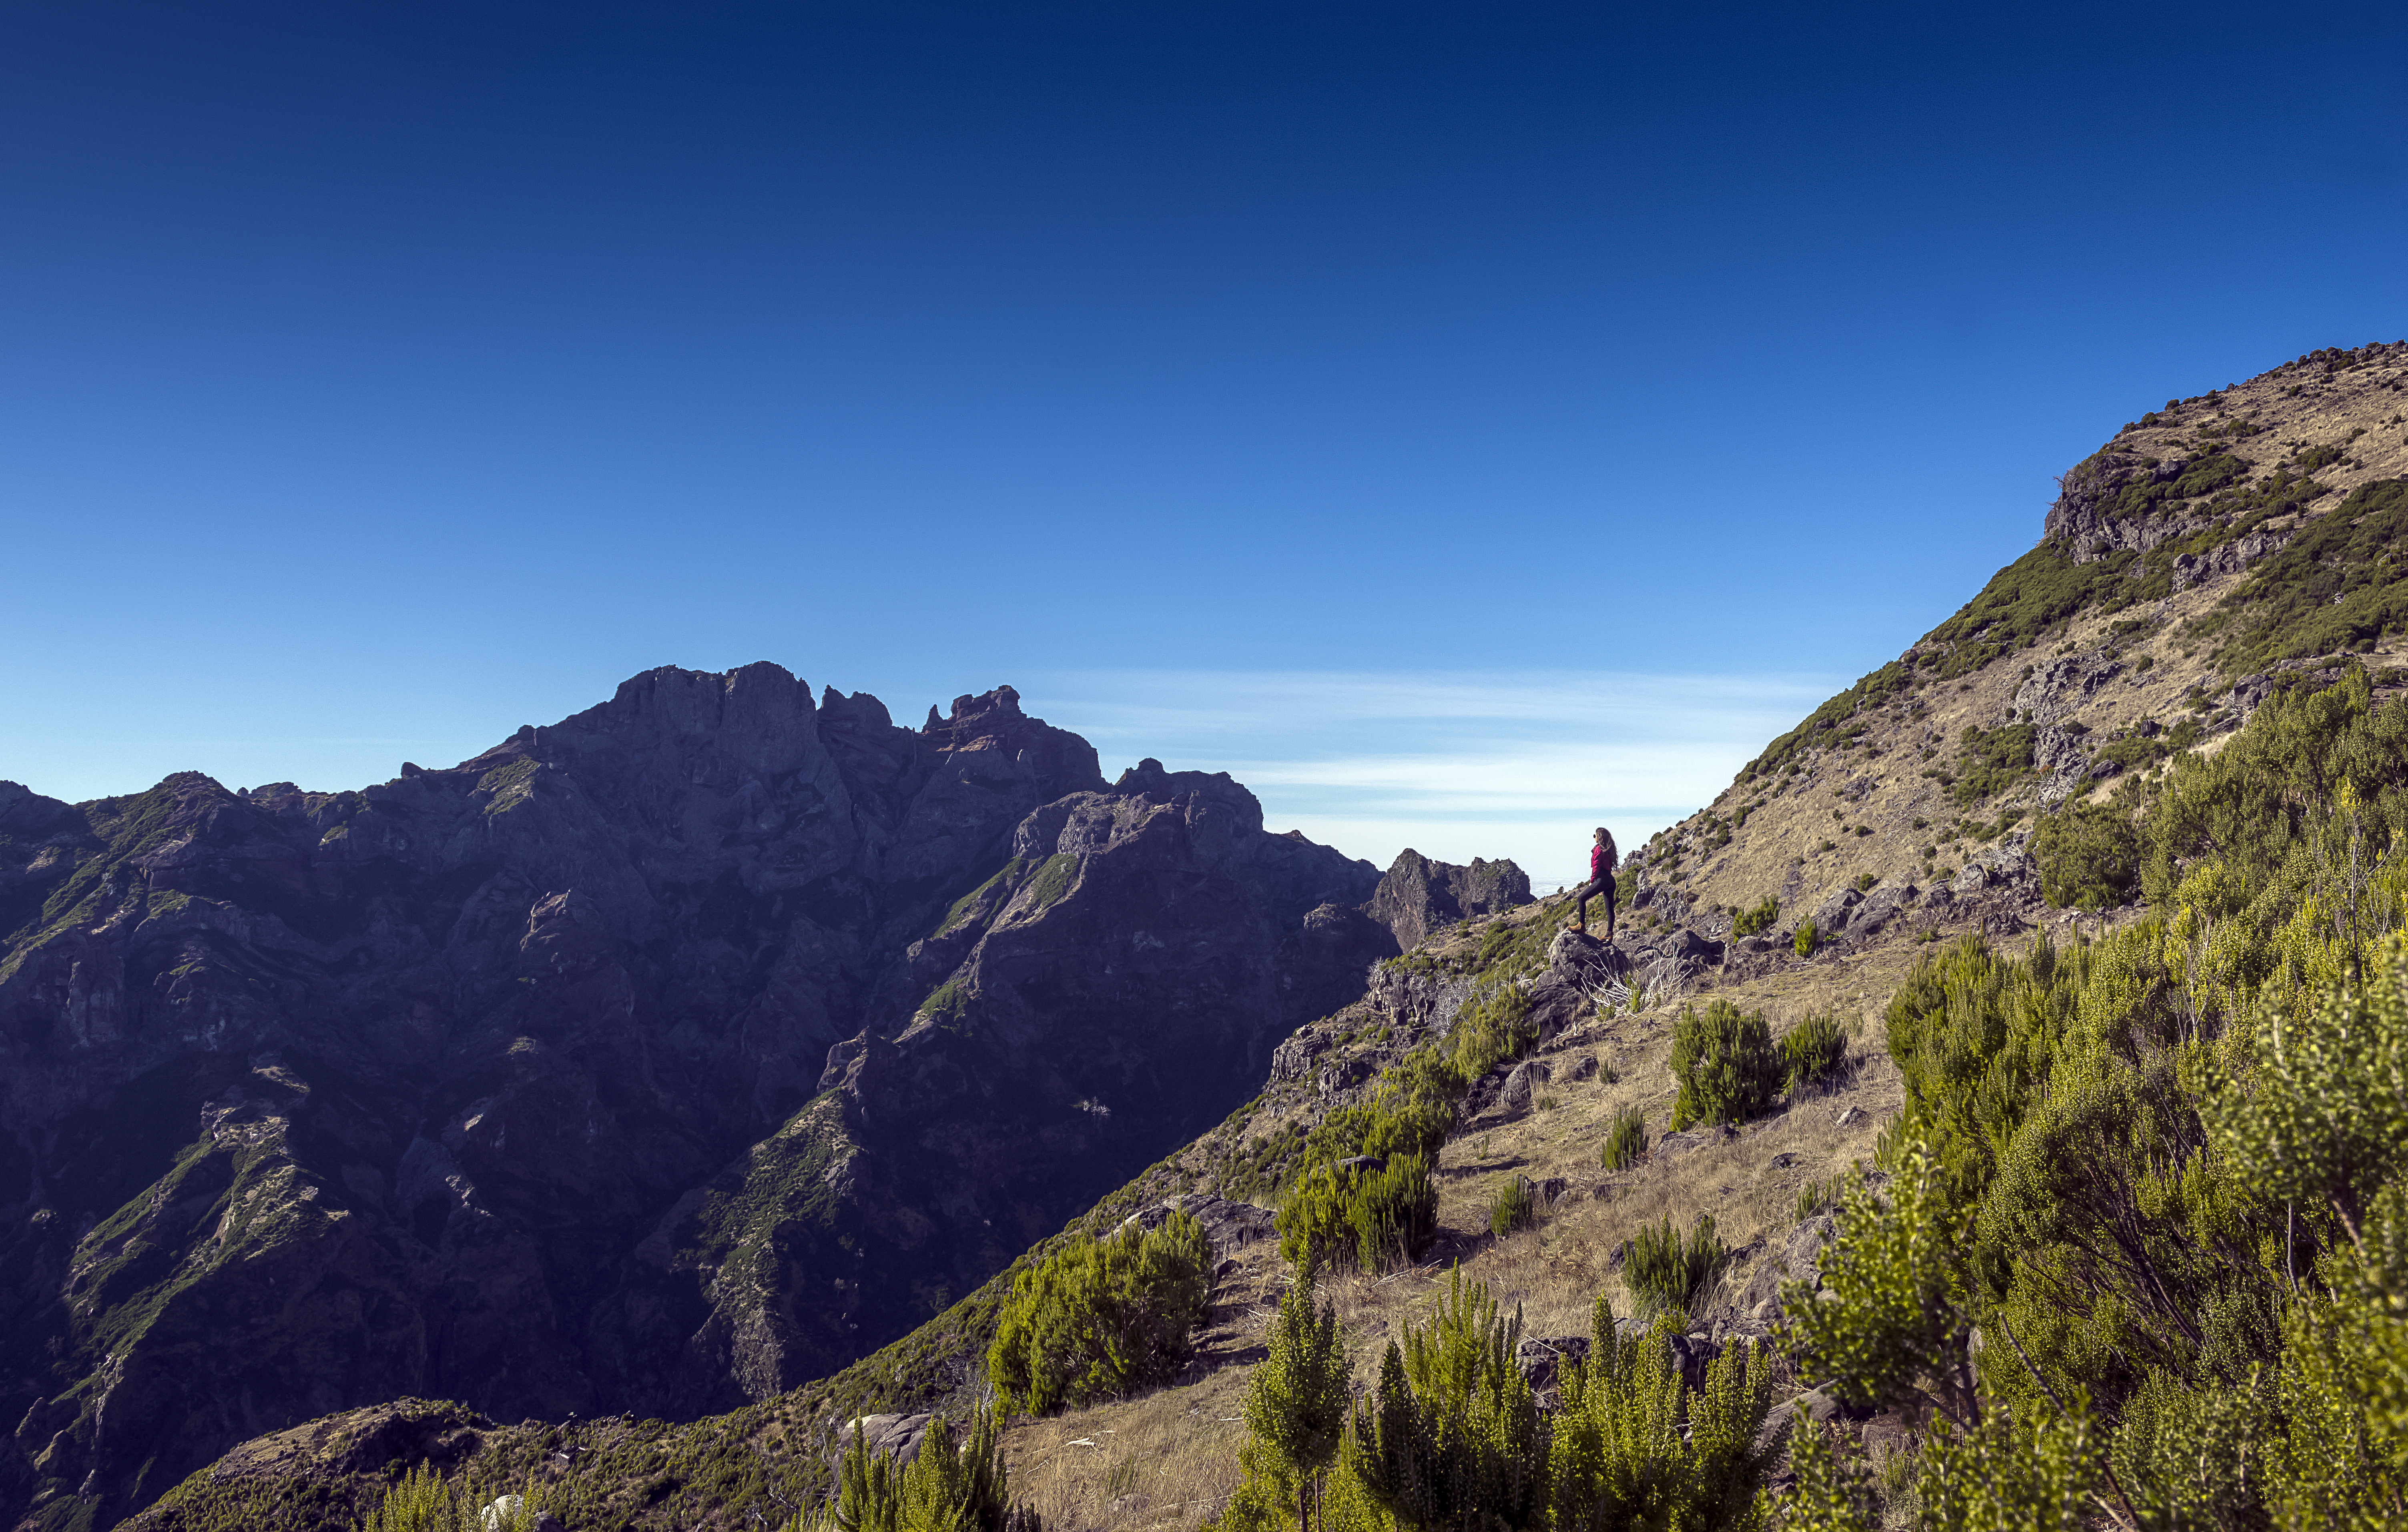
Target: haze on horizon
{"x":1464,"y":427}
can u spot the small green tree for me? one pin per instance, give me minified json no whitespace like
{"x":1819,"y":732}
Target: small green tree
{"x":947,"y":1487}
{"x":1725,"y":1062}
{"x":1747,"y":922}
{"x":1813,"y":1048}
{"x":1102,"y":1317}
{"x":1806,"y":938}
{"x":1626,"y":1141}
{"x":1664,"y":1271}
{"x":420,"y":1502}
{"x":1296,"y":1403}
{"x":1369,"y":1218}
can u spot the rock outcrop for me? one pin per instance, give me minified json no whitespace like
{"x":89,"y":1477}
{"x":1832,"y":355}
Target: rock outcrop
{"x":655,"y":1060}
{"x":1419,"y":895}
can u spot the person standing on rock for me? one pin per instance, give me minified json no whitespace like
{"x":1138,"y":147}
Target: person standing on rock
{"x":1601,"y":858}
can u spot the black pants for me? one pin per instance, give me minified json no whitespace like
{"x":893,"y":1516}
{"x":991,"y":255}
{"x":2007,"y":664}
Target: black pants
{"x":1602,"y":883}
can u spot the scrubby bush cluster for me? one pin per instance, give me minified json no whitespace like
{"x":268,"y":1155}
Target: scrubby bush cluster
{"x":1102,"y":1317}
{"x":1453,"y":1438}
{"x":949,"y":1486}
{"x":2089,"y":854}
{"x":1515,"y":1206}
{"x":2163,"y":1176}
{"x":1664,"y":1271}
{"x":1747,"y":922}
{"x":1813,"y":1049}
{"x":1369,"y":1217}
{"x":1496,"y":1026}
{"x":1626,"y":1141}
{"x":1725,"y":1062}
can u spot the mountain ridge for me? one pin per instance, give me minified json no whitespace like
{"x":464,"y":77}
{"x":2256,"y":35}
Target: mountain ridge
{"x":555,"y":1079}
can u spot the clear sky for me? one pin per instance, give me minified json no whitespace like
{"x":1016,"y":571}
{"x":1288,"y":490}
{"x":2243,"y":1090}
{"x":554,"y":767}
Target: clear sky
{"x":1467,"y":424}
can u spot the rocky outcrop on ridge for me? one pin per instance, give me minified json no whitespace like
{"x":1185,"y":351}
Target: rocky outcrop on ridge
{"x":1419,"y":895}
{"x":652,"y":1061}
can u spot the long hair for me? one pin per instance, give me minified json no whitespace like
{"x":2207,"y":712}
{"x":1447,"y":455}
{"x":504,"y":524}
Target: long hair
{"x":1613,"y":857}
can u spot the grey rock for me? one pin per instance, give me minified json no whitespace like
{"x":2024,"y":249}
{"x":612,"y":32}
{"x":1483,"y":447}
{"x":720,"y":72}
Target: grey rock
{"x":1522,"y":1084}
{"x":1584,"y":1067}
{"x":504,"y":1510}
{"x":2061,"y":683}
{"x":1231,"y":1226}
{"x":1691,"y":1355}
{"x":1671,"y":1146}
{"x":1831,"y":916}
{"x":895,"y":1436}
{"x":1882,"y":906}
{"x":1798,"y":1258}
{"x":1419,"y":895}
{"x":1542,"y":1359}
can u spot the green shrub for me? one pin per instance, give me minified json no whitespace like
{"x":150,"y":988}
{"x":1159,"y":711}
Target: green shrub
{"x":1813,"y":1048}
{"x":2089,"y":854}
{"x":1807,"y":939}
{"x":964,"y":1486}
{"x":420,"y":1502}
{"x":1994,"y":760}
{"x":1625,"y":1142}
{"x":1372,"y":1220}
{"x":1665,"y":1272}
{"x":1494,"y":1026}
{"x":1725,"y":1064}
{"x":1514,"y":1206}
{"x":1102,"y":1317}
{"x":1865,"y":882}
{"x":1748,"y":923}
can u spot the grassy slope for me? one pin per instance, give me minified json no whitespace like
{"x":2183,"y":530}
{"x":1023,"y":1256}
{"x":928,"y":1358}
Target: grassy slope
{"x":1869,"y":768}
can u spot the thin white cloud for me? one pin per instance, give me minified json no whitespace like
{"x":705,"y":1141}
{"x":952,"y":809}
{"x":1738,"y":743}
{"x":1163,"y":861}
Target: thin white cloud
{"x":1453,"y":764}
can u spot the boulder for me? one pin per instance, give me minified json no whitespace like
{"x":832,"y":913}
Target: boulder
{"x":2057,"y":686}
{"x":1797,"y":1258}
{"x":895,"y":1436}
{"x":1584,"y":1067}
{"x":505,"y":1511}
{"x":1231,"y":1226}
{"x":1882,"y":906}
{"x":1831,"y":916}
{"x":1522,"y":1085}
{"x":1542,"y":1359}
{"x":1671,"y":1146}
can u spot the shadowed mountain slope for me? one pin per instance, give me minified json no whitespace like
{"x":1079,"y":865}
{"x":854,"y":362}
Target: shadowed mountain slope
{"x":654,"y":1061}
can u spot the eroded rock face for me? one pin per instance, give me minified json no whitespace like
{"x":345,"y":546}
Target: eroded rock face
{"x":656,"y":1060}
{"x":1419,"y":895}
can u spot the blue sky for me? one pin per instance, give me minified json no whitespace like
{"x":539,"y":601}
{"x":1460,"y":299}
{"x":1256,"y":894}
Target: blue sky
{"x":1465,"y":423}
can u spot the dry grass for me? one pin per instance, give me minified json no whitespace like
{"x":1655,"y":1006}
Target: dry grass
{"x":1170,"y":1457}
{"x":1776,"y":852}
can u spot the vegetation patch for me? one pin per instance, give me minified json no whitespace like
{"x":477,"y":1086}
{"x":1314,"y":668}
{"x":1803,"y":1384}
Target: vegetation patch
{"x":1725,"y":1062}
{"x":1098,"y":1318}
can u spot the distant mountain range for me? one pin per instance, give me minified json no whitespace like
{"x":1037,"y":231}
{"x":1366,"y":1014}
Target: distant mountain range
{"x":656,"y":1061}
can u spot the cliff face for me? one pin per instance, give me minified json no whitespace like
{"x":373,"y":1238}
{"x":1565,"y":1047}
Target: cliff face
{"x":651,"y":1061}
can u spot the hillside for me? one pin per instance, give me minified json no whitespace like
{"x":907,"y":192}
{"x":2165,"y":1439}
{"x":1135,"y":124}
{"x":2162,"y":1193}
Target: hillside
{"x":2206,"y":554}
{"x":655,"y":1061}
{"x":2211,"y":556}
